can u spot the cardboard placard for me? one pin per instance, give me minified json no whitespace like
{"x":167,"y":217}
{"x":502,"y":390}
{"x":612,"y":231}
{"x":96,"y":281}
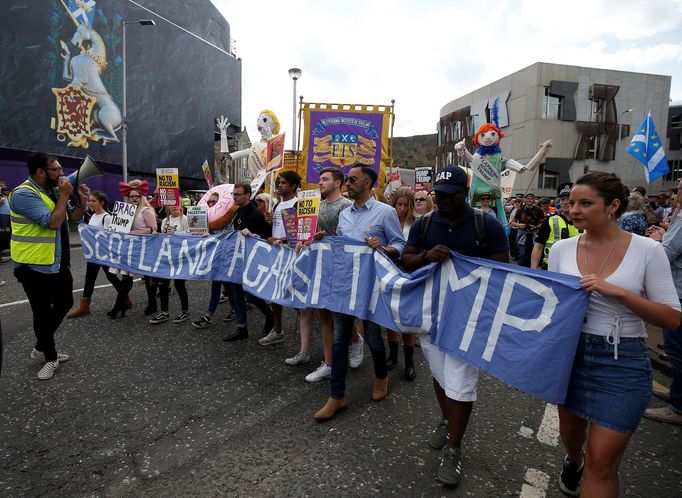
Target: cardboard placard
{"x":122,"y":216}
{"x":308,"y":211}
{"x":168,"y":186}
{"x":197,"y":218}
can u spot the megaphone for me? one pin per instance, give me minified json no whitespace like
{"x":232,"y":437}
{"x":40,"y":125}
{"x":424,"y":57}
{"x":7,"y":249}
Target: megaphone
{"x":86,"y":170}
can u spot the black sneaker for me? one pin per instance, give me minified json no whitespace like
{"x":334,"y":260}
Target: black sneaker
{"x":238,"y":335}
{"x":160,"y":317}
{"x":571,"y":474}
{"x":230,"y":316}
{"x":269,"y":324}
{"x":202,"y":323}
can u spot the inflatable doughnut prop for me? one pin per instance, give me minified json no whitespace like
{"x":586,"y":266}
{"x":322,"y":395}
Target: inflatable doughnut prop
{"x":221,"y":213}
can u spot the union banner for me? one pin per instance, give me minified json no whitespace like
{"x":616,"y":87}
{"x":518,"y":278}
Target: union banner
{"x":343,"y":136}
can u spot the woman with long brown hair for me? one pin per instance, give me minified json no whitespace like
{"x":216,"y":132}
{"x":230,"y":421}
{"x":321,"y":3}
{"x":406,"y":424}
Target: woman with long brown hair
{"x":403,"y":201}
{"x":629,"y":281}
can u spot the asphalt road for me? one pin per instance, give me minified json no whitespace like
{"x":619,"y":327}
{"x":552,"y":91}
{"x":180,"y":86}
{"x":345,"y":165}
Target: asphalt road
{"x":167,"y":410}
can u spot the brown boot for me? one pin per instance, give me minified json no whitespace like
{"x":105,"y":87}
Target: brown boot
{"x":331,"y":408}
{"x":82,"y":310}
{"x":380,"y":389}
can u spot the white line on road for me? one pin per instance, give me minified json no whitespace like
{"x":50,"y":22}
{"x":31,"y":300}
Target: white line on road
{"x":24,"y":301}
{"x":548,"y":433}
{"x":538,"y":482}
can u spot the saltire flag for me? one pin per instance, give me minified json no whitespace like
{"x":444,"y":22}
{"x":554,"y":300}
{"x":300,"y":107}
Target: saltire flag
{"x":647,"y":147}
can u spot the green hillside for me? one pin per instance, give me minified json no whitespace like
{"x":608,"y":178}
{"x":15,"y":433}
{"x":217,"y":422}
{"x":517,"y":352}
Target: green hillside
{"x":412,"y":152}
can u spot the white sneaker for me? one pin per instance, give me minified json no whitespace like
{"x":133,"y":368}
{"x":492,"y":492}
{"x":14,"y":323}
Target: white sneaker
{"x":39,"y":355}
{"x":357,"y":352}
{"x":48,"y":370}
{"x":299,"y":359}
{"x":323,"y":371}
{"x":272,"y":338}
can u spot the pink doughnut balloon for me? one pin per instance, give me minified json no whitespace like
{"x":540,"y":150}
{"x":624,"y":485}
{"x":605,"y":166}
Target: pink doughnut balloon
{"x":221,"y":212}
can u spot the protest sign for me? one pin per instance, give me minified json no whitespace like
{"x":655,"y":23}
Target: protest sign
{"x":197,"y":218}
{"x":207,"y":174}
{"x":422,"y":178}
{"x":257,"y":182}
{"x":507,"y":179}
{"x":510,"y":321}
{"x":290,"y":226}
{"x":308,"y":210}
{"x":168,"y":186}
{"x":275,"y":154}
{"x":122,"y":216}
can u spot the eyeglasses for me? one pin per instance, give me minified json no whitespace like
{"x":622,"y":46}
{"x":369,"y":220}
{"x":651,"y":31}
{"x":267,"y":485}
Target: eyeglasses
{"x":351,"y":179}
{"x":211,"y":203}
{"x":134,"y":197}
{"x":54,"y":169}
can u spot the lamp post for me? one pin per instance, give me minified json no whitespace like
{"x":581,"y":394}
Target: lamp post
{"x":620,"y":130}
{"x":124,"y":124}
{"x":294,"y":74}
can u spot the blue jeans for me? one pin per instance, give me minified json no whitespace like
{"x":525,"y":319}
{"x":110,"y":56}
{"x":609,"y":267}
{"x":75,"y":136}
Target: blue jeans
{"x":673,"y":348}
{"x":343,"y":330}
{"x":239,"y":298}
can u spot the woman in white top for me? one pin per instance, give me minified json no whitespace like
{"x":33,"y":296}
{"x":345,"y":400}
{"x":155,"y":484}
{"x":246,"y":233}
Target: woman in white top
{"x":98,"y":203}
{"x":403,"y":201}
{"x":629,"y":281}
{"x":175,"y":223}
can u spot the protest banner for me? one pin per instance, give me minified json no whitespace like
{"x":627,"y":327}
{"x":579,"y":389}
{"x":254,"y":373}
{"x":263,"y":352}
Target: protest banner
{"x":507,"y":179}
{"x":122,"y":216}
{"x":257,"y":182}
{"x":308,"y":210}
{"x":422,"y":178}
{"x":168,"y":186}
{"x":510,"y":321}
{"x":345,"y":135}
{"x":197,"y":218}
{"x":275,"y":153}
{"x":207,"y":174}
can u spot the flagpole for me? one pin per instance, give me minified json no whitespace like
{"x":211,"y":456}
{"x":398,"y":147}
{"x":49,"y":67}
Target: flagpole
{"x":646,"y":145}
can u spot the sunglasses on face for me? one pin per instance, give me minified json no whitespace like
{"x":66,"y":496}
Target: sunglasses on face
{"x":485,"y":198}
{"x":420,"y":199}
{"x":211,"y":202}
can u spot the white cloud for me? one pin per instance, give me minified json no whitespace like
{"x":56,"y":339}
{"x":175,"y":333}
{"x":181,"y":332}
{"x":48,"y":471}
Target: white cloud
{"x":425,"y":54}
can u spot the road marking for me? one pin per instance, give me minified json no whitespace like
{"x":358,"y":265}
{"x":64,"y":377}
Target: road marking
{"x":548,"y":433}
{"x":24,"y":301}
{"x":538,"y":482}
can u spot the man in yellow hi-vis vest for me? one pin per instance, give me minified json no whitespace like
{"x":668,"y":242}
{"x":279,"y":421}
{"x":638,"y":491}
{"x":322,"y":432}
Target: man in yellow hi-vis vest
{"x":555,"y":227}
{"x":40,"y":250}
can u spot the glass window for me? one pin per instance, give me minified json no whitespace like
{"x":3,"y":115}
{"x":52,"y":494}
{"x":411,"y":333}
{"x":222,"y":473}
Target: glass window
{"x":676,"y":121}
{"x":551,"y":105}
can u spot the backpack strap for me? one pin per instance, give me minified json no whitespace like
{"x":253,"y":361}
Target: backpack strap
{"x":481,"y":231}
{"x":424,"y":225}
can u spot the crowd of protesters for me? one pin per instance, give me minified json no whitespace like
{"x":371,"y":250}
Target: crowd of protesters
{"x":621,"y":244}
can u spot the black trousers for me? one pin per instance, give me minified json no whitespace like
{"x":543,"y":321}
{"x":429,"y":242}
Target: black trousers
{"x":51,"y":297}
{"x":91,"y":272}
{"x":164,"y":291}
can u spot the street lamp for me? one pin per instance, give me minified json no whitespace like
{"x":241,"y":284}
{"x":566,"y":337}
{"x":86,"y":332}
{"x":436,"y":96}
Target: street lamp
{"x":620,"y":130}
{"x":294,"y":74}
{"x":124,"y":125}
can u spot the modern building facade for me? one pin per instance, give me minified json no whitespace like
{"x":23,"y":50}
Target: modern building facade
{"x":62,"y":68}
{"x":673,"y":149}
{"x":588,"y":113}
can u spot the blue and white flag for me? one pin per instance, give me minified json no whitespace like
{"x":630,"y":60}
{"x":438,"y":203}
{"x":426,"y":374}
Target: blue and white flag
{"x":518,"y":324}
{"x":647,"y":147}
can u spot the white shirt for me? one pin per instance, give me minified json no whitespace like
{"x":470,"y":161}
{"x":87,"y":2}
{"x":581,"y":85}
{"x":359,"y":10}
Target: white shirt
{"x":644,"y":271}
{"x":100,"y":220}
{"x":180,"y":224}
{"x":277,"y":224}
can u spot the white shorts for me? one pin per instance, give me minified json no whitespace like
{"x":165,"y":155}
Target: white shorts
{"x":457,"y":378}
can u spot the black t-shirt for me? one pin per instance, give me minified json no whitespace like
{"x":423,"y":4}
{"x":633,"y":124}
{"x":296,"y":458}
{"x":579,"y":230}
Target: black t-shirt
{"x":461,"y":237}
{"x":529,"y":215}
{"x":249,"y":217}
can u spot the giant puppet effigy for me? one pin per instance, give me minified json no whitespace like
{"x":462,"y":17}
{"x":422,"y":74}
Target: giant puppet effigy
{"x":268,"y":127}
{"x":487,"y":165}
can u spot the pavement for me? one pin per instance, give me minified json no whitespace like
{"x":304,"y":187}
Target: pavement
{"x":168,"y":410}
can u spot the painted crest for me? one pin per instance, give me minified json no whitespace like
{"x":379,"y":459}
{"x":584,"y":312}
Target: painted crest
{"x":74,"y":115}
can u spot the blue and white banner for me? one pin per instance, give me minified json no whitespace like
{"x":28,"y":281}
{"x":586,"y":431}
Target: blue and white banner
{"x":517,"y":324}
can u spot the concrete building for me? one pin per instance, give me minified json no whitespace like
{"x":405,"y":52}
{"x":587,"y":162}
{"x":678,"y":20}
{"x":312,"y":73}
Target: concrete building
{"x":673,"y":149}
{"x":588,"y":113}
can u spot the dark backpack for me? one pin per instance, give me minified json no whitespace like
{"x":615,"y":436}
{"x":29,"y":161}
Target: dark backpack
{"x":479,"y":224}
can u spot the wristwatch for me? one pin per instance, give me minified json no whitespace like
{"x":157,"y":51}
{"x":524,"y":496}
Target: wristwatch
{"x":422,"y":255}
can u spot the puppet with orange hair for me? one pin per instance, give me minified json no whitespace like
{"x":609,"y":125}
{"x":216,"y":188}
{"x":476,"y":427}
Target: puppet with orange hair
{"x":487,"y":164}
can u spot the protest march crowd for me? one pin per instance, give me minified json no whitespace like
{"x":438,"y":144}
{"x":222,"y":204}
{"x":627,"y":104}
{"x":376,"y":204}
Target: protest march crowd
{"x":620,"y":244}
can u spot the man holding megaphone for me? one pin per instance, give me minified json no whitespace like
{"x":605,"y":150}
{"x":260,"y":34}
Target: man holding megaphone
{"x":39,"y":210}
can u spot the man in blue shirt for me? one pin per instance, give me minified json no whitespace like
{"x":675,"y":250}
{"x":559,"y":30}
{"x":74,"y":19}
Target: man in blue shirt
{"x":39,"y":206}
{"x":452,"y":228}
{"x":376,"y":224}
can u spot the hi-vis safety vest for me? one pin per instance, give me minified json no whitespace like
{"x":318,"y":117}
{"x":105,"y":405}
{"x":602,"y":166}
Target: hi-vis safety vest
{"x":30,"y":243}
{"x":558,"y":229}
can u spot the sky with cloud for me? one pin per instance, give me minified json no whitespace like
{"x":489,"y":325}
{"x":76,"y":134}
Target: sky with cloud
{"x":426,"y":53}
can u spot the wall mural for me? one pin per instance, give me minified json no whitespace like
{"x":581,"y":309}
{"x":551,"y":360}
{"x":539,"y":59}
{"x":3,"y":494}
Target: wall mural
{"x":86,"y":106}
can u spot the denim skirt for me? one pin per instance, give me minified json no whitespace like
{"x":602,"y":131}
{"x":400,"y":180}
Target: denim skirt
{"x":606,"y":391}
